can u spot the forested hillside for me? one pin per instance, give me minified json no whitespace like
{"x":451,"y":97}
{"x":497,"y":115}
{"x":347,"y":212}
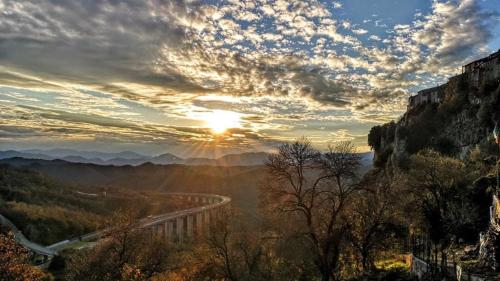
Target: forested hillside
{"x":48,"y":210}
{"x":240,"y":183}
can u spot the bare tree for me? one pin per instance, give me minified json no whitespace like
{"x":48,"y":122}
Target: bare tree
{"x":315,"y":188}
{"x":236,"y":251}
{"x":373,"y":218}
{"x":122,"y":252}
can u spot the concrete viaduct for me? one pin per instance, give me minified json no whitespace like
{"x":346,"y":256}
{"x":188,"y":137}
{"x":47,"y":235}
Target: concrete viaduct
{"x":176,"y":227}
{"x":186,"y":224}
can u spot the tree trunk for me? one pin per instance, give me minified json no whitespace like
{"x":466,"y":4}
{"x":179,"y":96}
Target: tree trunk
{"x":325,"y":273}
{"x":364,"y":261}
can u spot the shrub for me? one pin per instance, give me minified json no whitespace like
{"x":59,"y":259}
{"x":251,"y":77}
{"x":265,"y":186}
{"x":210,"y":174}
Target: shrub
{"x":382,"y":158}
{"x":375,"y":137}
{"x":445,"y":146}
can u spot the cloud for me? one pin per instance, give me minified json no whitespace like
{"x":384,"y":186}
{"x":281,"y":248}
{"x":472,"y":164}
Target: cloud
{"x":94,"y":43}
{"x":454,"y":33}
{"x":283,"y":60}
{"x":360,"y":31}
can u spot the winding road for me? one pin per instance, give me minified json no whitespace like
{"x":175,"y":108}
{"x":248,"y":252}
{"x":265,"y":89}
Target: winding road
{"x":213,"y":202}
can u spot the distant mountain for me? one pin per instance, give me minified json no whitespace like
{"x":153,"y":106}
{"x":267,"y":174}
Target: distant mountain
{"x":135,"y":159}
{"x":243,"y":159}
{"x":60,"y":153}
{"x":28,"y":155}
{"x":166,"y":158}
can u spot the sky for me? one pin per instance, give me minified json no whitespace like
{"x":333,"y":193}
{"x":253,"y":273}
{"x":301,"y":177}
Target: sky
{"x":207,"y":78}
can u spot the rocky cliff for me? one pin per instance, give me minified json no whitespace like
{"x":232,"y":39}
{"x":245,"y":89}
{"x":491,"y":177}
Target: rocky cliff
{"x":462,"y":121}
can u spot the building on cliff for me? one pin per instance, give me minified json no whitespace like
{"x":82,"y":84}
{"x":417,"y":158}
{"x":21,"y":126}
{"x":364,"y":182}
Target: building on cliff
{"x":432,"y":95}
{"x":484,"y":69}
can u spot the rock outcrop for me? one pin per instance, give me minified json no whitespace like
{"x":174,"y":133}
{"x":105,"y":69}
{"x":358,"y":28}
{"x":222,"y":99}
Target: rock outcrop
{"x":462,"y":121}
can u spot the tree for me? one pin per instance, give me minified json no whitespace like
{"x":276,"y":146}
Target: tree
{"x":375,"y":138}
{"x":373,"y":219}
{"x":236,"y":251}
{"x":123,"y":253}
{"x":315,"y":189}
{"x":14,"y":262}
{"x":439,"y":184}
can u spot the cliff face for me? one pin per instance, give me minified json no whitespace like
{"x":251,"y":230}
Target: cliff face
{"x":461,"y":122}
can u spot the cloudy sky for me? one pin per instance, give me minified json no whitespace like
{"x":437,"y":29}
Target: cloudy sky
{"x":204,"y":78}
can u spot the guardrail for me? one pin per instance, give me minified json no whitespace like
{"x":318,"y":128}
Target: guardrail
{"x":21,"y":239}
{"x":214,"y":201}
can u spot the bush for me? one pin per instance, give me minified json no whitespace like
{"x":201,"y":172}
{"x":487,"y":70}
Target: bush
{"x":382,"y":158}
{"x":445,"y":146}
{"x":487,"y":87}
{"x":489,"y":107}
{"x":375,"y":137}
{"x":454,"y":104}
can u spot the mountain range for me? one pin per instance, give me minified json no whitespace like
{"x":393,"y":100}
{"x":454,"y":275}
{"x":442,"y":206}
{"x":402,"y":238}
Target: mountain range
{"x":134,"y":159}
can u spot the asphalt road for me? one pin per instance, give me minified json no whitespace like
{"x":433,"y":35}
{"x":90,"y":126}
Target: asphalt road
{"x":149,"y":221}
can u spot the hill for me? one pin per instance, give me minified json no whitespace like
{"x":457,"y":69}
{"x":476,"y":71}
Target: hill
{"x":131,"y":158}
{"x":239,"y":182}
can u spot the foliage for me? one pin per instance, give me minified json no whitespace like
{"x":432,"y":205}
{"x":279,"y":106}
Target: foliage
{"x":123,"y":254}
{"x":381,"y":133}
{"x":382,"y":157}
{"x":436,"y":179}
{"x":445,"y":146}
{"x":49,"y":224}
{"x":375,"y":137}
{"x":488,"y":110}
{"x":44,"y":210}
{"x":14,"y":262}
{"x":421,"y":131}
{"x":392,"y":264}
{"x":441,"y":188}
{"x":374,"y":219}
{"x":456,"y":97}
{"x":48,"y":211}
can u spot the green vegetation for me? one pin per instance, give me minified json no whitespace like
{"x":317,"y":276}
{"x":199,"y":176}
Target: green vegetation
{"x":378,"y":134}
{"x":423,"y":127}
{"x":48,"y":211}
{"x":49,"y":224}
{"x":44,"y":210}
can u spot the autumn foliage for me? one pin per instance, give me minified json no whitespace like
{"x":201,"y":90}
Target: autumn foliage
{"x":14,"y":262}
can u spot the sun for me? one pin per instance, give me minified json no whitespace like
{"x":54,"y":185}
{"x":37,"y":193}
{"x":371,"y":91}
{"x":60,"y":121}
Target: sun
{"x":219,"y":121}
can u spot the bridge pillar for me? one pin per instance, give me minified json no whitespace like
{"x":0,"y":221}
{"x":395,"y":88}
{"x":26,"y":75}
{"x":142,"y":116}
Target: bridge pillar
{"x":199,"y":223}
{"x":206,"y":218}
{"x":160,"y":231}
{"x":149,"y":232}
{"x":189,"y":220}
{"x":170,"y":230}
{"x":165,"y":230}
{"x":196,"y":199}
{"x":204,"y":199}
{"x":189,"y":198}
{"x":180,"y":229}
{"x":214,"y":213}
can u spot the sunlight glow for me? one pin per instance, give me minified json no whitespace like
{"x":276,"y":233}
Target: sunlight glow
{"x":220,"y":120}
